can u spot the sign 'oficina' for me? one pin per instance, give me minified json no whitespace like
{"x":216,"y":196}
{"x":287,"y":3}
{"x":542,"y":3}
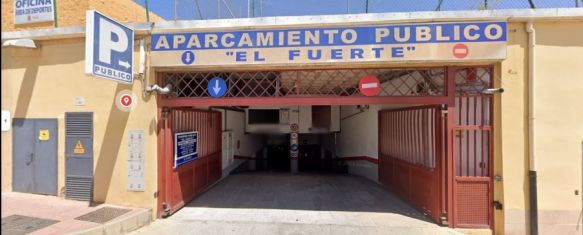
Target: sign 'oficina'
{"x":33,"y":11}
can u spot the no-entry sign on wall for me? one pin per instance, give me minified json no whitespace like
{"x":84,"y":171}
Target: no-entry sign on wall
{"x":369,"y":85}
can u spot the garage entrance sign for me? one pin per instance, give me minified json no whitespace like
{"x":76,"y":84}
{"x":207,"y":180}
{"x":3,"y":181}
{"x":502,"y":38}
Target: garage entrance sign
{"x":109,"y":48}
{"x":328,"y":45}
{"x":185,"y":147}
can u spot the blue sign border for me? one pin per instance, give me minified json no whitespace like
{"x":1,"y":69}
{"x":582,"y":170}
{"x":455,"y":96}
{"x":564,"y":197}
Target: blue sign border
{"x":181,"y":160}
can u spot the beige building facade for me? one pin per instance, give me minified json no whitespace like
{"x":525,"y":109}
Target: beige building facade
{"x":46,"y":82}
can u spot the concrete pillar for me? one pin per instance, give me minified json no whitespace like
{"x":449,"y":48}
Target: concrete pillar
{"x":294,"y":165}
{"x":263,"y":159}
{"x":294,"y":149}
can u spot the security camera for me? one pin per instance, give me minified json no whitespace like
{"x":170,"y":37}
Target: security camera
{"x":160,"y":90}
{"x":493,"y":91}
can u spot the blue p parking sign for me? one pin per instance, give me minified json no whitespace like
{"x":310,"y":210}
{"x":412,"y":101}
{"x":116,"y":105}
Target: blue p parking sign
{"x":109,"y":48}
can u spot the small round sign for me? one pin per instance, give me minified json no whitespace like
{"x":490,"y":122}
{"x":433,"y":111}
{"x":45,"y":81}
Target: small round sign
{"x":125,"y":100}
{"x":460,"y":50}
{"x":294,"y":155}
{"x":217,"y":87}
{"x":294,"y":135}
{"x":294,"y":127}
{"x":187,"y":57}
{"x":294,"y":148}
{"x":369,"y":85}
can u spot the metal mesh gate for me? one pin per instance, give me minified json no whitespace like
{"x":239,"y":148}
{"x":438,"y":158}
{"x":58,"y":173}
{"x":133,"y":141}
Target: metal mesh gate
{"x":472,"y":139}
{"x":396,"y":82}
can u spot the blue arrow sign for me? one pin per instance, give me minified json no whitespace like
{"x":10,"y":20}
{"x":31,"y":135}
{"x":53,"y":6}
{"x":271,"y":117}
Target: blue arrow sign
{"x":187,"y":57}
{"x":294,"y":147}
{"x":217,"y":87}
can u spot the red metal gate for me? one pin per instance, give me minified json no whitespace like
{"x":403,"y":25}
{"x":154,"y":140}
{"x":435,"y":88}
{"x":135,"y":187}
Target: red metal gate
{"x":177,"y":186}
{"x":471,"y":137}
{"x":410,"y":156}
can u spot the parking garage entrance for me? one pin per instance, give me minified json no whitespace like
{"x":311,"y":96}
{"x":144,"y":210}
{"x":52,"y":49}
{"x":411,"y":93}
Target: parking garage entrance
{"x":426,"y":132}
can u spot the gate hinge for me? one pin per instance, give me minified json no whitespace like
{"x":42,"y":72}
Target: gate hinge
{"x":443,"y":112}
{"x":156,"y":194}
{"x":497,"y":205}
{"x":443,"y":219}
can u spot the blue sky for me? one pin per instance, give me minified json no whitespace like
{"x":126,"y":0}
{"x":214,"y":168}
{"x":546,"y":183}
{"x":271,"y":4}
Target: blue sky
{"x":187,"y":10}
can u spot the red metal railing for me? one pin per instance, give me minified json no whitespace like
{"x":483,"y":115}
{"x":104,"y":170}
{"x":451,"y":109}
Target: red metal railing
{"x":181,"y":184}
{"x":410,"y":155}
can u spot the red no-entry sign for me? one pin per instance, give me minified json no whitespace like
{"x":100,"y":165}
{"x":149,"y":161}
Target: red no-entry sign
{"x":460,"y":51}
{"x":369,"y":85}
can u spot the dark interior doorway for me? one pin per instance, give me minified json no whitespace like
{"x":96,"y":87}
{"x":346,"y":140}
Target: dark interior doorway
{"x":278,"y":158}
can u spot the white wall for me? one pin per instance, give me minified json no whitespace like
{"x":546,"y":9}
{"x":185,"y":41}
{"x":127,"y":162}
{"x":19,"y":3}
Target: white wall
{"x":234,"y":122}
{"x":359,"y":137}
{"x":359,"y":133}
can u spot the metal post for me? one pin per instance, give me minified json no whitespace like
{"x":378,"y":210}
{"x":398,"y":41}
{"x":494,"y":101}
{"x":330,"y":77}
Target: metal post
{"x":531,"y":3}
{"x":55,"y":14}
{"x":438,"y":8}
{"x":366,"y":7}
{"x":347,"y":6}
{"x":175,"y":9}
{"x":450,"y":158}
{"x":248,"y":8}
{"x":147,"y":11}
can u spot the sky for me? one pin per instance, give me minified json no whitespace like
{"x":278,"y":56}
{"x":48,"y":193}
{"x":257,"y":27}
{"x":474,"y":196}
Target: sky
{"x":213,"y":9}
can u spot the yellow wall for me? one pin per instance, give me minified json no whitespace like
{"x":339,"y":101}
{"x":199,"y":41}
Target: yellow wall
{"x":559,"y":125}
{"x":511,"y":140}
{"x":72,"y":13}
{"x":559,"y":128}
{"x":44,"y":82}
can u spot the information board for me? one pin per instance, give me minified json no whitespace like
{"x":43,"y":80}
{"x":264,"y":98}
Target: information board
{"x":185,"y":147}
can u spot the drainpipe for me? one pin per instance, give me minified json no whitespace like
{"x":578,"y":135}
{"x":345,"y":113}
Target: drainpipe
{"x":531,"y":129}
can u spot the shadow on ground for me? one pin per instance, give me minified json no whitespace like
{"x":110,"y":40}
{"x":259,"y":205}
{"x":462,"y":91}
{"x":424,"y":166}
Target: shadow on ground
{"x":314,"y":192}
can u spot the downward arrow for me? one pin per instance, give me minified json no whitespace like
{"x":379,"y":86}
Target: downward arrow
{"x":187,"y":57}
{"x":124,"y":64}
{"x":216,"y":88}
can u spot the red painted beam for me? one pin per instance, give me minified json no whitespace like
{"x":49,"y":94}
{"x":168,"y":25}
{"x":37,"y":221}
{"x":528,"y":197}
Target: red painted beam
{"x":282,"y":101}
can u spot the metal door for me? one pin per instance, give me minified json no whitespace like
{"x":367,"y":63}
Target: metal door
{"x":35,"y":156}
{"x":472,"y":148}
{"x":79,"y":156}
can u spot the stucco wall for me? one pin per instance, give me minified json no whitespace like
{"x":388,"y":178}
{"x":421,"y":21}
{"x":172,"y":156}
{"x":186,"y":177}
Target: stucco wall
{"x":559,"y":126}
{"x":72,"y":13}
{"x":44,"y":82}
{"x":559,"y":82}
